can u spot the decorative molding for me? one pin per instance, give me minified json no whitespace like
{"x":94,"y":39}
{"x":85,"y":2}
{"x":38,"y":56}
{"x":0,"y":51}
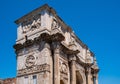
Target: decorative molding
{"x":67,"y":50}
{"x":44,"y":36}
{"x":33,"y":69}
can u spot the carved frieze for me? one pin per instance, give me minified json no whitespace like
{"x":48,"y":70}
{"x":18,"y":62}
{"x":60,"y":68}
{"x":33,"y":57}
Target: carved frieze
{"x":32,"y":23}
{"x":33,"y":69}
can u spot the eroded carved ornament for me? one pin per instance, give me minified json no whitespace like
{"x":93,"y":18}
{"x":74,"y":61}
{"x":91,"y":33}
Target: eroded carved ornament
{"x":31,"y":23}
{"x":63,"y":67}
{"x":33,"y":69}
{"x":30,"y":61}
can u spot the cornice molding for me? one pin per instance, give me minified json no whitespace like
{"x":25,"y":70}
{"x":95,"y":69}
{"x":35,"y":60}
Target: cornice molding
{"x":58,"y":37}
{"x":68,"y":51}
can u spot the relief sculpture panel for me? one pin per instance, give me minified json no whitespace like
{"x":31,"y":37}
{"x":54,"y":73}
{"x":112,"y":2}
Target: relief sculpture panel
{"x":34,"y":69}
{"x":30,"y":61}
{"x":32,"y":23}
{"x":63,"y":68}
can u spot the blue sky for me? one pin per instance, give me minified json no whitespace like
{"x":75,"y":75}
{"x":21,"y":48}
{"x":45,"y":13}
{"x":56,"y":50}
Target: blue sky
{"x":95,"y":22}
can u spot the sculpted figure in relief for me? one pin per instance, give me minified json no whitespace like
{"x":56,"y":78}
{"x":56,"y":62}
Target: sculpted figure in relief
{"x":32,"y":23}
{"x":30,"y":61}
{"x":89,"y":57}
{"x":54,"y":24}
{"x":63,"y":67}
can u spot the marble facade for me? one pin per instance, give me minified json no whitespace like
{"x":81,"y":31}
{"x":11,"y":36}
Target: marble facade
{"x":48,"y":51}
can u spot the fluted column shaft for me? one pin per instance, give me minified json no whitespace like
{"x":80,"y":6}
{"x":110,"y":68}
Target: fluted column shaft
{"x":89,"y":76}
{"x":72,"y":70}
{"x":48,"y":59}
{"x":56,"y":63}
{"x":96,"y":79}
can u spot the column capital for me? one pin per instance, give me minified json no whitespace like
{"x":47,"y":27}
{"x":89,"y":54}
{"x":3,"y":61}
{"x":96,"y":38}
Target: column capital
{"x":72,"y":58}
{"x":56,"y":47}
{"x":88,"y":70}
{"x":47,"y":45}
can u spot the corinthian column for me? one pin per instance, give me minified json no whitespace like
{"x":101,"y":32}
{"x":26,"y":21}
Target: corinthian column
{"x":95,"y":70}
{"x":89,"y":76}
{"x":56,"y":71}
{"x":96,"y":79}
{"x":72,"y":69}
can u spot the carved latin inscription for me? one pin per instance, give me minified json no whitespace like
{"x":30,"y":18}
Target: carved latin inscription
{"x":33,"y":69}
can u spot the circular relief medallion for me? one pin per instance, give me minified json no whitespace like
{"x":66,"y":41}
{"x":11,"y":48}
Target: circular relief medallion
{"x":64,"y":68}
{"x":30,"y":61}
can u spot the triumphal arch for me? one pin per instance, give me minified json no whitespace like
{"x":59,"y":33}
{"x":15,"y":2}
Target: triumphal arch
{"x":48,"y":51}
